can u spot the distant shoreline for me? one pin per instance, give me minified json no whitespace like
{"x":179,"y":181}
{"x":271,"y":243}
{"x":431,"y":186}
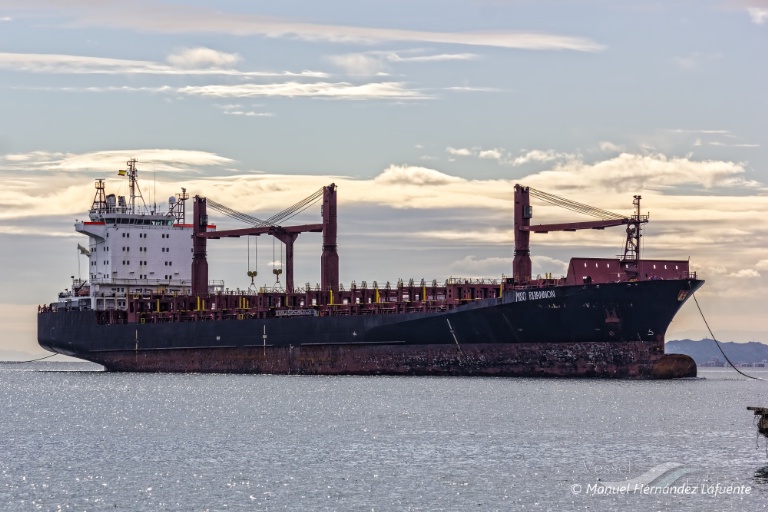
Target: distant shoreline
{"x":706,"y":353}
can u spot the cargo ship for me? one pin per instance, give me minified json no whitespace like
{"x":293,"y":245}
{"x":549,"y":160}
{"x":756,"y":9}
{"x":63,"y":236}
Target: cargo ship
{"x":148,"y":304}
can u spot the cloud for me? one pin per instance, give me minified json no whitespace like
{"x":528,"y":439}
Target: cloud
{"x":538,"y":155}
{"x":710,"y":137}
{"x":248,"y":113}
{"x":627,"y":172}
{"x":505,"y":158}
{"x":41,"y":183}
{"x":762,"y":264}
{"x":459,"y":151}
{"x":394,"y":57}
{"x":380,"y":62}
{"x":409,"y":175}
{"x":745,"y":273}
{"x":729,"y":220}
{"x":541,"y":264}
{"x":719,"y":132}
{"x":174,"y":19}
{"x":198,"y":61}
{"x":715,"y":143}
{"x":196,"y":58}
{"x":472,"y":266}
{"x":610,"y":147}
{"x":476,"y":152}
{"x":339,"y":90}
{"x":472,"y":89}
{"x":491,"y":154}
{"x":476,"y":236}
{"x":235,"y":109}
{"x":758,"y":15}
{"x":327,"y":90}
{"x":162,"y":160}
{"x":359,"y":64}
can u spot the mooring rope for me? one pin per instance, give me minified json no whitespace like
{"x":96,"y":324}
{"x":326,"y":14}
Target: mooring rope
{"x":718,"y":343}
{"x":31,"y":360}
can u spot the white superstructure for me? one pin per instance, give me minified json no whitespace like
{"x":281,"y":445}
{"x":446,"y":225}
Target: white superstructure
{"x":135,"y":251}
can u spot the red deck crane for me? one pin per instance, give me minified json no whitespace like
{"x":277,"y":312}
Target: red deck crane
{"x":329,"y":274}
{"x":521,"y":266}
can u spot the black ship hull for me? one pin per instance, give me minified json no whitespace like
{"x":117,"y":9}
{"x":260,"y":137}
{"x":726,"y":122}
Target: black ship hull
{"x":600,"y":330}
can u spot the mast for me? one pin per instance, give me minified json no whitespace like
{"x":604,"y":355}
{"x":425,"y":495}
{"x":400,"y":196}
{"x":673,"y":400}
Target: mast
{"x":132,"y":171}
{"x":631,"y":258}
{"x":329,"y":261}
{"x":632,"y":244}
{"x":133,"y":174}
{"x":99,"y":199}
{"x":521,"y":265}
{"x":199,"y":247}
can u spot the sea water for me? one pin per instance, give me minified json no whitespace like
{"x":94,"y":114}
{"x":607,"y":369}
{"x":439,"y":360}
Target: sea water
{"x":84,"y":439}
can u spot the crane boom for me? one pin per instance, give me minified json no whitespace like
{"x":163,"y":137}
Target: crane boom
{"x":573,"y":226}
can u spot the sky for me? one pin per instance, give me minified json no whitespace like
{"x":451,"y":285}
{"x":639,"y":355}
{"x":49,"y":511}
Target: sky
{"x":424,"y":113}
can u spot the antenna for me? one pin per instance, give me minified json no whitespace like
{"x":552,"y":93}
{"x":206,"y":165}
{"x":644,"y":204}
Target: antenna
{"x":133,"y":173}
{"x":132,"y":181}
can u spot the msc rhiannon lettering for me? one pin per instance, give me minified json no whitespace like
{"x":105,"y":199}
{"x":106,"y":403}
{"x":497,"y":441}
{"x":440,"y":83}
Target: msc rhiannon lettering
{"x":534,"y":295}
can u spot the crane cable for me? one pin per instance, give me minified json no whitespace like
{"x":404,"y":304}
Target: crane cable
{"x":256,"y":252}
{"x":295,"y":208}
{"x":284,"y":215}
{"x":274,"y":260}
{"x":575,"y":206}
{"x":236,"y":215}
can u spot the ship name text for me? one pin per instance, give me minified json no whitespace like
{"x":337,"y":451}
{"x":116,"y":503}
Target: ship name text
{"x":534,"y":295}
{"x":296,"y":312}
